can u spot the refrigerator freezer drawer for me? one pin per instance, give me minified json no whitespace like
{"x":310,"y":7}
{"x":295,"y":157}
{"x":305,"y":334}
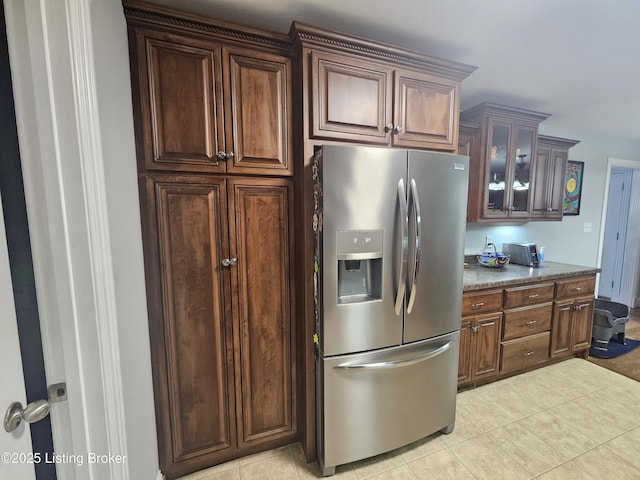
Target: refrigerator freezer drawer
{"x":377,"y":401}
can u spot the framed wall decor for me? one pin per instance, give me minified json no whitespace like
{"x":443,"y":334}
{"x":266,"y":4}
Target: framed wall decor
{"x":573,"y":188}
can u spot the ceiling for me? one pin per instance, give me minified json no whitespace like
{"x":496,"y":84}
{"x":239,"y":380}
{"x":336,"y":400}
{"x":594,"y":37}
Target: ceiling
{"x":576,"y":60}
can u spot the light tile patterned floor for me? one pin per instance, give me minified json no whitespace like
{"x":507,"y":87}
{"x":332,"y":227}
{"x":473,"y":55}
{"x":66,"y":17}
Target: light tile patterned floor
{"x":572,"y":420}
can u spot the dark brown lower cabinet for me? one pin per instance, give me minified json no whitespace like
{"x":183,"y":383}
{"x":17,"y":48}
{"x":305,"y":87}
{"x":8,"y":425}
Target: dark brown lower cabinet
{"x":572,"y":322}
{"x":219,"y":283}
{"x":479,"y":347}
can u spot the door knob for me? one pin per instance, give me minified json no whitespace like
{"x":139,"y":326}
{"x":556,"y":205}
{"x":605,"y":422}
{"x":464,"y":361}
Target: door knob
{"x":33,"y":412}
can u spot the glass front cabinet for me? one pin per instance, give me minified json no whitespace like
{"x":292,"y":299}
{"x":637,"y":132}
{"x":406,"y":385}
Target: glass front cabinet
{"x":502,"y":160}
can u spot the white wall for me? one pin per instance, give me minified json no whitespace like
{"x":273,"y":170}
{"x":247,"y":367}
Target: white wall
{"x":116,"y":128}
{"x":567,"y":241}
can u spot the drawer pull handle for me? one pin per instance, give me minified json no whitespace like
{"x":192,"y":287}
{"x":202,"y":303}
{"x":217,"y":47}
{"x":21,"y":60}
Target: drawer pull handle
{"x":576,"y":289}
{"x":477,"y":305}
{"x":531,"y":322}
{"x":580,"y":307}
{"x":534,"y":295}
{"x":528,"y":354}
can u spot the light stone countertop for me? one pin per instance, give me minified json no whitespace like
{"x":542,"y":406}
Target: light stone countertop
{"x":477,"y":277}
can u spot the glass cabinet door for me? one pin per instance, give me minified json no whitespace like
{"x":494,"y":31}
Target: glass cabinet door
{"x":497,"y":161}
{"x":521,"y":172}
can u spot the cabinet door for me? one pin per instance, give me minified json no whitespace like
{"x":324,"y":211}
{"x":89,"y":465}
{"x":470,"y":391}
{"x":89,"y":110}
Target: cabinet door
{"x":425,"y":111}
{"x":496,"y":180}
{"x":540,"y":200}
{"x":464,"y":362}
{"x":561,"y":328}
{"x":557,"y":171}
{"x":582,"y":323}
{"x":259,"y":113}
{"x":191,"y":328}
{"x":179,"y":102}
{"x":520,"y":179}
{"x":351,"y":99}
{"x":261,"y":242}
{"x":486,"y":344}
{"x":548,"y":193}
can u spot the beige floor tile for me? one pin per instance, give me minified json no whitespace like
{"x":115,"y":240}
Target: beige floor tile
{"x":378,"y":464}
{"x":483,"y":412}
{"x":624,"y":397}
{"x":487,"y":461}
{"x":533,"y":390}
{"x":566,"y":441}
{"x":442,"y":465}
{"x":510,"y":402}
{"x":464,"y":430}
{"x":565,"y":384}
{"x":627,"y":446}
{"x":603,"y":463}
{"x":567,"y":471}
{"x":312,"y":470}
{"x":280,"y":466}
{"x":422,"y":447}
{"x":226,"y":475}
{"x":233,"y":465}
{"x":577,"y":415}
{"x":263,"y":455}
{"x":533,"y":453}
{"x":402,"y":472}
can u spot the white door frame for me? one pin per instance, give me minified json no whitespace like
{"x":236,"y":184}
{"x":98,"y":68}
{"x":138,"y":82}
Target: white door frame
{"x":72,"y":236}
{"x":631,"y":267}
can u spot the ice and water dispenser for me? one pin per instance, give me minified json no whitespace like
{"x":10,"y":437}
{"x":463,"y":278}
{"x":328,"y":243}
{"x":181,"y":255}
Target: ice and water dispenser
{"x":359,"y":265}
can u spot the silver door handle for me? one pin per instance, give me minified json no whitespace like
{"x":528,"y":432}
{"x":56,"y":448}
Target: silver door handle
{"x":398,"y":363}
{"x":416,"y":258}
{"x":402,"y":199}
{"x":229,"y":261}
{"x":33,"y":412}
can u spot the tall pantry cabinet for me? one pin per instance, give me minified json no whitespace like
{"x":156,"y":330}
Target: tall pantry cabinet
{"x":213,"y":108}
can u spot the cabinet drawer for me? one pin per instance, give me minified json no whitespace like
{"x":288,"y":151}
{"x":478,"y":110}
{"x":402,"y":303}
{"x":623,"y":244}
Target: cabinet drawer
{"x":528,"y":295}
{"x":481,"y":301}
{"x":527,"y":321}
{"x":525,"y":352}
{"x":572,"y":287}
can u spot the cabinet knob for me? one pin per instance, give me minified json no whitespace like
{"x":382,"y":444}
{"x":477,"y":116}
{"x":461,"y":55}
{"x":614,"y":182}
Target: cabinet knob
{"x":229,"y":155}
{"x":475,"y":328}
{"x":549,"y":209}
{"x":389,"y":127}
{"x":398,"y":129}
{"x":221,"y":155}
{"x":227,"y":262}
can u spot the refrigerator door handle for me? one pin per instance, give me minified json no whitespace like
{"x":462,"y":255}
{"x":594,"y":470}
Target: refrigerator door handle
{"x":398,"y":363}
{"x":402,"y":281}
{"x":416,"y":259}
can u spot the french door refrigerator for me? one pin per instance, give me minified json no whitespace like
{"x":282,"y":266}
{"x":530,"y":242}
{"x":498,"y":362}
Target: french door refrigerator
{"x":389,"y":236}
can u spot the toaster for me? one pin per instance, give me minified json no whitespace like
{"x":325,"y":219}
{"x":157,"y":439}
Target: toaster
{"x":522,"y":253}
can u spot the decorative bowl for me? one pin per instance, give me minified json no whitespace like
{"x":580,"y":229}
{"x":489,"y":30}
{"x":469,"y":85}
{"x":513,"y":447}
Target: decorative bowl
{"x":493,"y":260}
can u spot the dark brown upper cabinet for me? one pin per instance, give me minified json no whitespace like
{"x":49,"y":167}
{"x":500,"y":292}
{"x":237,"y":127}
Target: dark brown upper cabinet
{"x":206,"y":106}
{"x":365,"y":92}
{"x":502,"y":162}
{"x":552,"y":154}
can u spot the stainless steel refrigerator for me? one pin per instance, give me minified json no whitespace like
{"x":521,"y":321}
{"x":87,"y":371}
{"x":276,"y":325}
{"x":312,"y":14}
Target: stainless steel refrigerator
{"x":389,"y":241}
